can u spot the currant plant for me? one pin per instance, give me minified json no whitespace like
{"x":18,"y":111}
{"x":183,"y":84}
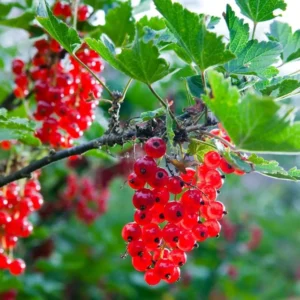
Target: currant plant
{"x":232,"y":112}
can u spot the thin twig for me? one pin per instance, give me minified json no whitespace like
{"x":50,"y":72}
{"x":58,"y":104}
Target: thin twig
{"x":126,"y":89}
{"x":75,"y":11}
{"x":254,"y":29}
{"x":164,"y":104}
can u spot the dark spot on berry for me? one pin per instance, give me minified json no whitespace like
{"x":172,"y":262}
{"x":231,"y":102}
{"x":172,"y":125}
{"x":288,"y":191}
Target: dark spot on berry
{"x":140,"y":254}
{"x":157,"y":199}
{"x":202,"y":202}
{"x":181,"y":183}
{"x":143,"y":216}
{"x":156,"y":144}
{"x":196,"y":245}
{"x":160,"y":174}
{"x":225,"y":212}
{"x":178,"y":214}
{"x":217,"y":235}
{"x":168,"y":276}
{"x":129,"y":239}
{"x":223,"y":176}
{"x":180,"y":264}
{"x":156,"y":240}
{"x":131,"y":181}
{"x":143,"y":207}
{"x":161,"y":216}
{"x":202,"y":233}
{"x":218,"y":191}
{"x":143,"y":171}
{"x":176,"y":239}
{"x":199,"y":222}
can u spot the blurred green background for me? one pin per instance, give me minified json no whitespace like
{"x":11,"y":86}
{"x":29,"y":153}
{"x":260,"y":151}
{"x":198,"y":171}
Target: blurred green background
{"x":257,"y":255}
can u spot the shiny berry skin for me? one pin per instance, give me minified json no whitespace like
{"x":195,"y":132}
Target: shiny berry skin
{"x":165,"y":268}
{"x":4,"y":218}
{"x":202,"y":170}
{"x":186,"y":241}
{"x":209,"y":193}
{"x":151,"y":277}
{"x":141,"y":263}
{"x":145,"y":167}
{"x":171,"y":233}
{"x":158,"y":215}
{"x":178,"y":257}
{"x":174,"y":277}
{"x":191,"y":200}
{"x":151,"y":235}
{"x":83,"y":13}
{"x":143,"y":199}
{"x":226,"y":167}
{"x":214,"y":179}
{"x":155,"y":147}
{"x":175,"y":185}
{"x":17,"y":267}
{"x":212,"y":159}
{"x":159,"y":179}
{"x":200,"y":232}
{"x":136,"y":248}
{"x":189,"y":176}
{"x":161,"y":195}
{"x":215,"y":210}
{"x":135,"y":182}
{"x":18,"y":66}
{"x":189,"y":220}
{"x":143,"y":217}
{"x":131,"y":232}
{"x":174,"y":212}
{"x":213,"y":227}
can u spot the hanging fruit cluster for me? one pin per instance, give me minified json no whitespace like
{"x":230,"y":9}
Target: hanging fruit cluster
{"x":17,"y":202}
{"x":165,"y":227}
{"x":66,"y":94}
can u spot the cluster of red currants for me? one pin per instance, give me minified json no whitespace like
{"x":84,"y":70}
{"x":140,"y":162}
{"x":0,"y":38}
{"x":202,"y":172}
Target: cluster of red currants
{"x":90,"y":202}
{"x":66,"y":94}
{"x":64,"y":10}
{"x":163,"y":229}
{"x":17,"y":202}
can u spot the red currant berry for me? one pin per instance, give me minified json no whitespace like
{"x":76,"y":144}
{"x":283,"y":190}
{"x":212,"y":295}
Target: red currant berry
{"x":186,"y":241}
{"x":175,"y":277}
{"x":174,"y":212}
{"x":4,"y":261}
{"x":145,"y":167}
{"x":215,"y":210}
{"x":143,"y":199}
{"x":189,"y":176}
{"x":159,"y":179}
{"x":158,"y":213}
{"x":189,"y":220}
{"x":17,"y":267}
{"x":226,"y":167}
{"x":143,"y":217}
{"x":18,"y":66}
{"x":151,"y":277}
{"x":155,"y":147}
{"x":151,"y":235}
{"x":171,"y":233}
{"x":213,"y":226}
{"x":136,"y":248}
{"x":200,"y":232}
{"x":131,"y":232}
{"x":141,"y":263}
{"x":161,"y":195}
{"x":83,"y":13}
{"x":135,"y":182}
{"x":175,"y":185}
{"x":178,"y":257}
{"x":214,"y":179}
{"x":209,"y":193}
{"x":165,"y":268}
{"x":191,"y":200}
{"x":212,"y":159}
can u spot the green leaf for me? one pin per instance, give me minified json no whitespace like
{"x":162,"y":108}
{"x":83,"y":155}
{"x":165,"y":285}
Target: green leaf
{"x":281,"y":87}
{"x":199,"y":149}
{"x":282,"y":33}
{"x":119,"y":24}
{"x":238,"y":31}
{"x":23,"y":21}
{"x":254,"y":123}
{"x":195,"y":85}
{"x":141,"y":62}
{"x":236,"y":161}
{"x":203,"y":47}
{"x":271,"y":168}
{"x":260,"y":11}
{"x":149,"y":115}
{"x":60,"y":31}
{"x":253,"y":57}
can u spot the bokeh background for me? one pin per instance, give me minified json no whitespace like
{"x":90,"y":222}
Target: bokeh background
{"x":257,"y":255}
